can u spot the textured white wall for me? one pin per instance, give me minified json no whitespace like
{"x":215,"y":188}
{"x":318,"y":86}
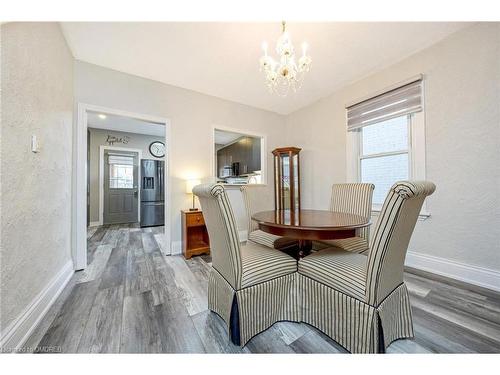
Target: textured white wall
{"x":37,"y":76}
{"x":462,"y":118}
{"x":192,"y":116}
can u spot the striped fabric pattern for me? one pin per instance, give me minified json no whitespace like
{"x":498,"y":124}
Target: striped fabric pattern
{"x":354,"y":198}
{"x":264,"y":304}
{"x":349,"y":321}
{"x":270,"y":240}
{"x":391,"y":236}
{"x":360,"y":302}
{"x":338,"y":269}
{"x":352,"y":323}
{"x":252,"y":197}
{"x":261,"y":264}
{"x":220,"y":296}
{"x":221,"y":225}
{"x":263,"y":279}
{"x":354,"y":244}
{"x":395,"y":316}
{"x":338,"y":307}
{"x":254,"y":202}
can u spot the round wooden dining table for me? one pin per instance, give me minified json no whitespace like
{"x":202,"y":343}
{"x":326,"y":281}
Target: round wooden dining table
{"x":309,"y":225}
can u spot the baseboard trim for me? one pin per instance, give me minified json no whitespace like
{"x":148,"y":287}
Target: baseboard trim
{"x":16,"y":333}
{"x":176,"y":248}
{"x":480,"y":276}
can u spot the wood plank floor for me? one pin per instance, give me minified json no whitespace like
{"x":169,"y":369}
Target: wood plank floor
{"x":132,"y":299}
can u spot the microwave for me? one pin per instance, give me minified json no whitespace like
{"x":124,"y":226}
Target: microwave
{"x":226,"y":171}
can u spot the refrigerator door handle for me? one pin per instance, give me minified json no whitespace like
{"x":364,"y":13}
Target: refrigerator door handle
{"x":159,"y":175}
{"x":162,"y":181}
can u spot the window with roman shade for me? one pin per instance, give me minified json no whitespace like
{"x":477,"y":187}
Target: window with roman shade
{"x":387,"y":131}
{"x":397,"y":102}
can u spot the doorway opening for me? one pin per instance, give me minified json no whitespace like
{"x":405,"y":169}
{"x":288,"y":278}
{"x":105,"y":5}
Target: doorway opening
{"x":122,"y":180}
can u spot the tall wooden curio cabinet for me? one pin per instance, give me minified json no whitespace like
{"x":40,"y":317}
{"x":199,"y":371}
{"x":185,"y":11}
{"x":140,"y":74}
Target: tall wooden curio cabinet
{"x":287,"y":178}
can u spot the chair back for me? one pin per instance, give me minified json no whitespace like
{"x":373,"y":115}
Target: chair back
{"x":354,"y":198}
{"x":391,"y":236}
{"x":256,"y":198}
{"x":222,"y":230}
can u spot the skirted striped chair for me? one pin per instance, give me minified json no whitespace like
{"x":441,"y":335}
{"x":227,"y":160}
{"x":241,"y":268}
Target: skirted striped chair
{"x":250,"y":286}
{"x":254,"y":198}
{"x":361,"y":301}
{"x":353,"y":198}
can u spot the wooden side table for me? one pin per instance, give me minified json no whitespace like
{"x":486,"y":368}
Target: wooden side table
{"x":195,"y":239}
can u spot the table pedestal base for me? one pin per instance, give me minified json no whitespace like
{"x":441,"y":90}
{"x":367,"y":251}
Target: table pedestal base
{"x":304,"y":248}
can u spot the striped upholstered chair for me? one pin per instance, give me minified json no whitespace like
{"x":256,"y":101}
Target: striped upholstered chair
{"x":361,"y":301}
{"x":254,"y":198}
{"x":250,"y":286}
{"x":353,"y":198}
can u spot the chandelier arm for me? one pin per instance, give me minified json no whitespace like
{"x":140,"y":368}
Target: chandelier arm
{"x":286,"y":73}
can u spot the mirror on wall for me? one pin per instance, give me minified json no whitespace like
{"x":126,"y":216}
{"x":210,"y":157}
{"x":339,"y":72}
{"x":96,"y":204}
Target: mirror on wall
{"x":238,"y":158}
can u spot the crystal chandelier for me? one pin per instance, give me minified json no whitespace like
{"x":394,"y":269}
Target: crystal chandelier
{"x":287,"y":73}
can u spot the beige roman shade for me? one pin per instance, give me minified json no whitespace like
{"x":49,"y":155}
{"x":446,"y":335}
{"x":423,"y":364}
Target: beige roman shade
{"x":404,"y":99}
{"x":120,"y":159}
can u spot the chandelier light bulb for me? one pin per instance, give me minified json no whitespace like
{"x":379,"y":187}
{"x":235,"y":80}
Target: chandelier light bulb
{"x":264,"y":47}
{"x":304,"y":48}
{"x":284,"y":73}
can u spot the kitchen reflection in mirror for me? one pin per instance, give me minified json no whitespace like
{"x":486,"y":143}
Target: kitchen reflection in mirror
{"x":238,"y":158}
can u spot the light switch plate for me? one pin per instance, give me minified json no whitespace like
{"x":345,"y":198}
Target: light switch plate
{"x":34,"y":144}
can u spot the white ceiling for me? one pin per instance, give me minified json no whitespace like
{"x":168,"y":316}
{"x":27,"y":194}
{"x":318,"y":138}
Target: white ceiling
{"x":124,"y":124}
{"x":221,"y":59}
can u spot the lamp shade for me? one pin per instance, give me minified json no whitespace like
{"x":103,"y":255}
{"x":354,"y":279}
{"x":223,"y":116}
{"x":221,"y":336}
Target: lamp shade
{"x":190,"y":184}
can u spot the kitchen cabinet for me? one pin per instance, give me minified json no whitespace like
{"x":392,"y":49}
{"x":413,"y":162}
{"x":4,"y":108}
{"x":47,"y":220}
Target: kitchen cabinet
{"x":245,"y":151}
{"x":255,"y":155}
{"x":236,"y":153}
{"x":243,"y":155}
{"x":222,"y":160}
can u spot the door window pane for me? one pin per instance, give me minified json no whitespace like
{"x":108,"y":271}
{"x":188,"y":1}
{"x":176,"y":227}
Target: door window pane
{"x":384,"y":171}
{"x":386,"y":136}
{"x":121,"y":176}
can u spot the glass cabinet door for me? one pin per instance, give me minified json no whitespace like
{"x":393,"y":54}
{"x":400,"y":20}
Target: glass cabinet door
{"x":287,"y":178}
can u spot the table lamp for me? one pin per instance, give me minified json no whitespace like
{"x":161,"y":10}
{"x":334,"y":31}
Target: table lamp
{"x":190,"y":184}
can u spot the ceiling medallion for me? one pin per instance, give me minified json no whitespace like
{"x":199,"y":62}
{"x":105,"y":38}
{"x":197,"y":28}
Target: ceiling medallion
{"x":286,"y":74}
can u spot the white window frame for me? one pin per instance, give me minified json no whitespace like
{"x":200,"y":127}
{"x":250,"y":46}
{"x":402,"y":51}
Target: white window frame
{"x":416,"y":156}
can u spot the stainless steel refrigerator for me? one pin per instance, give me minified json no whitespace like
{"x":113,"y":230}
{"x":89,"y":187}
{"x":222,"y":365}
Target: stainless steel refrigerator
{"x":152,"y":193}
